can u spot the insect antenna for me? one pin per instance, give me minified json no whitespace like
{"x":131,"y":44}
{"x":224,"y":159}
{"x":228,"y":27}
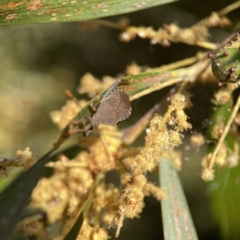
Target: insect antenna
{"x":70,"y":95}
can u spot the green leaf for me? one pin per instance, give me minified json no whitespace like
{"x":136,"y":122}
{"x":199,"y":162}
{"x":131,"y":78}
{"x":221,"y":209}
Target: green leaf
{"x":6,"y":181}
{"x":177,"y":221}
{"x":220,"y":115}
{"x":15,"y":197}
{"x":74,"y":232}
{"x":224,"y":201}
{"x":224,"y":191}
{"x":43,"y":11}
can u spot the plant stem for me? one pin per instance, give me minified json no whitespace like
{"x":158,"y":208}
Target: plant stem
{"x":225,"y":132}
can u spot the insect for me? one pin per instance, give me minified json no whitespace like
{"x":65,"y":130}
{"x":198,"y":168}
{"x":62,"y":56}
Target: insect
{"x":113,"y":108}
{"x":226,"y":63}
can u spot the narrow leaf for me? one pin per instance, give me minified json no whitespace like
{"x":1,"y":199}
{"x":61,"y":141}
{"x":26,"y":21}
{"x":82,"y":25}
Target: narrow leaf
{"x":177,"y":221}
{"x":224,"y":201}
{"x":74,"y":232}
{"x":15,"y":197}
{"x":39,"y":11}
{"x":224,"y":191}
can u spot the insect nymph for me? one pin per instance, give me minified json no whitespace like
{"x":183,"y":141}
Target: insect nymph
{"x":113,"y":108}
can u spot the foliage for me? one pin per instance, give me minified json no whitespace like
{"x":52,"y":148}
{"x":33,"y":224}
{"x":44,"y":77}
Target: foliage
{"x":177,"y":222}
{"x":38,"y":11}
{"x":74,"y":198}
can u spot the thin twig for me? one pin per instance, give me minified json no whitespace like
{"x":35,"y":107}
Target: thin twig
{"x":180,"y":64}
{"x":229,"y":8}
{"x":225,"y":132}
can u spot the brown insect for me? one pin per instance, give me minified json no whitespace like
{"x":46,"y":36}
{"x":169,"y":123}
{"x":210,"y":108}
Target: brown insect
{"x":113,"y":108}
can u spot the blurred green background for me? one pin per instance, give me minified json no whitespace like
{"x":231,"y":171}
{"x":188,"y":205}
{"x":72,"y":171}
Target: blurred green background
{"x":38,"y":62}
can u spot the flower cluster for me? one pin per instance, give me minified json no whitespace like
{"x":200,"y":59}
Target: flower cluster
{"x":62,"y":194}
